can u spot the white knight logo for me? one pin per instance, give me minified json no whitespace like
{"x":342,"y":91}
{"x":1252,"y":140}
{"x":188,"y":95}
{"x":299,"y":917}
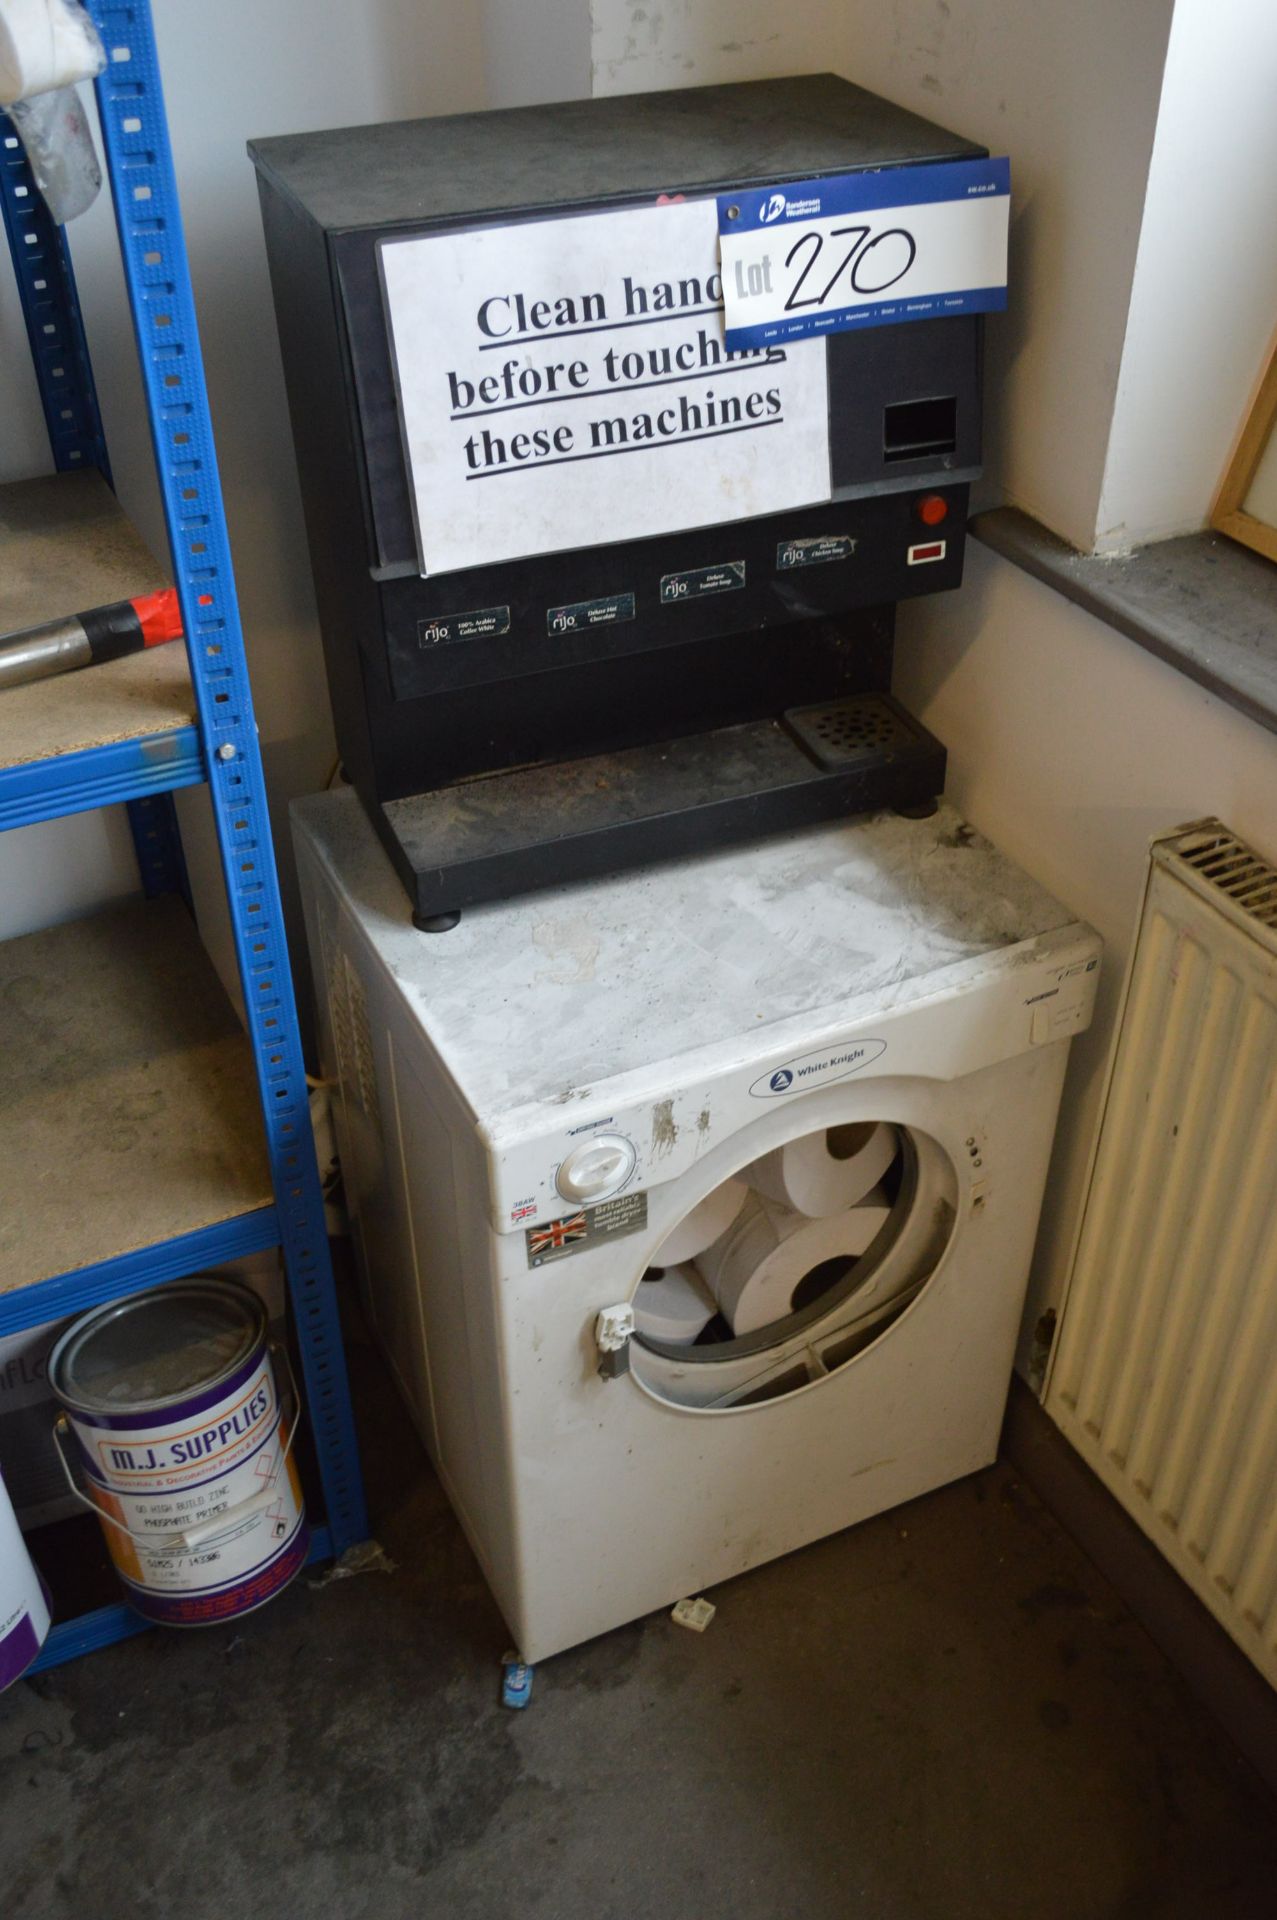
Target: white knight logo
{"x":832,"y":1064}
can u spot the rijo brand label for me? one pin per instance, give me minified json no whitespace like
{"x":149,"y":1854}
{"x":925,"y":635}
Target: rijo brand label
{"x":480,"y":623}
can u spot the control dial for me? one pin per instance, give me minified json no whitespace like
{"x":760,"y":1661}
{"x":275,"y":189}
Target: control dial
{"x":596,"y":1168}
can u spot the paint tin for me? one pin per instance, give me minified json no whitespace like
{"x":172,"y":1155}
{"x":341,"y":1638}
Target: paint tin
{"x":24,"y":1604}
{"x":185,"y":1448}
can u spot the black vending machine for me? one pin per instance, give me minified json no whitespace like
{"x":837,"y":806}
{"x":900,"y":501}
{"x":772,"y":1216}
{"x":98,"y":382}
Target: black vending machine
{"x":594,"y":589}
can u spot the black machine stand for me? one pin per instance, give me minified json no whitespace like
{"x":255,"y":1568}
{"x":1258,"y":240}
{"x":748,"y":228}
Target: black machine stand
{"x":514,"y":748}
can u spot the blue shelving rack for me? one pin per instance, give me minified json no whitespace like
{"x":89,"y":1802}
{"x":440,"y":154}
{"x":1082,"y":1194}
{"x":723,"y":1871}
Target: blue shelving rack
{"x":220,"y":749}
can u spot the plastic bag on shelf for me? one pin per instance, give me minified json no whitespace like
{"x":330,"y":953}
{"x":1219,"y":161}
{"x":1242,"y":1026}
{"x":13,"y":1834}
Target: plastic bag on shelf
{"x":45,"y":47}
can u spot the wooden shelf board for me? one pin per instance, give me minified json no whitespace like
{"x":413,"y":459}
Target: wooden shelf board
{"x":66,"y":545}
{"x":130,"y":1110}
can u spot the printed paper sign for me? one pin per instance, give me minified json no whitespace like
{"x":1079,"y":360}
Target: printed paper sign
{"x":565,"y":383}
{"x":864,"y":250}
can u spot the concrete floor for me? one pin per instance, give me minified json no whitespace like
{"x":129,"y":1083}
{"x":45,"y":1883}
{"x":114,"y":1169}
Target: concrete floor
{"x":943,"y":1713}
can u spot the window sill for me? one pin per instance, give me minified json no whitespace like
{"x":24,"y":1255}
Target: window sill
{"x":1203,"y":603}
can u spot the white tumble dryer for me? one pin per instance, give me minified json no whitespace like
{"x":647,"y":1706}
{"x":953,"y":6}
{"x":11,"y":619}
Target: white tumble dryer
{"x":694,"y":1206}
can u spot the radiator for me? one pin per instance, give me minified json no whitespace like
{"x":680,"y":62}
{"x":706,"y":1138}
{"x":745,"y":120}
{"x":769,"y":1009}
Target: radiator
{"x":1164,"y":1372}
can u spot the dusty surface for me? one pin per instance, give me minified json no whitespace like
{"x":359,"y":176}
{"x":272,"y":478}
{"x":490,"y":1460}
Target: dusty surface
{"x":65,"y":546}
{"x":576,"y":988}
{"x":940,"y":1714}
{"x":1202,"y":602}
{"x":130,"y":1109}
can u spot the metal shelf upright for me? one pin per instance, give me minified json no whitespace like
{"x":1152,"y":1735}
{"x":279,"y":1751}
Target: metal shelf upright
{"x":167,"y":748}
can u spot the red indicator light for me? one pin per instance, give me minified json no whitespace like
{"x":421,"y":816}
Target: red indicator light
{"x":932,"y":509}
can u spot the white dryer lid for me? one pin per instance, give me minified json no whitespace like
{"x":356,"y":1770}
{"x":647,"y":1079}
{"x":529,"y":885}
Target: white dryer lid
{"x":530,"y":1001}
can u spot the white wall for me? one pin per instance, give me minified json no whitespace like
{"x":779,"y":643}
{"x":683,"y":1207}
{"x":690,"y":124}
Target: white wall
{"x":60,"y":869}
{"x":536,"y":50}
{"x":229,"y":73}
{"x":1071,"y":747}
{"x":1204,"y":299}
{"x":1069,"y":91}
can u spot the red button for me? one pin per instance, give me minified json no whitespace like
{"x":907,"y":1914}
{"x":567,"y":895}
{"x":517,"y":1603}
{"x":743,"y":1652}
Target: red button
{"x":932,"y":509}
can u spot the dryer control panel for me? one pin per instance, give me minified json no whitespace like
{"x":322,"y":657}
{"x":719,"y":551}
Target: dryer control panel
{"x":597,"y":1168}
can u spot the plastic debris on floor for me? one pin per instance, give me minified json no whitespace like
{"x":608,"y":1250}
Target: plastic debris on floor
{"x":516,"y":1681}
{"x":695,"y":1614}
{"x":366,"y":1556}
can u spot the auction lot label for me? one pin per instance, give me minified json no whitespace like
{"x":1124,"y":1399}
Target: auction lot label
{"x":864,"y":249}
{"x":567,"y":382}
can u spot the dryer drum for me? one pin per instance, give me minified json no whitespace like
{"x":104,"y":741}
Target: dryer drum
{"x":821,"y":1173}
{"x":703,"y":1225}
{"x":673,"y":1305}
{"x":763,"y":1268}
{"x":822,"y":1334}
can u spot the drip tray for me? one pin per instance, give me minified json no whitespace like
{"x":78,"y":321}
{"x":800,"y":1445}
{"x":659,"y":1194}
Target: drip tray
{"x":542,"y":826}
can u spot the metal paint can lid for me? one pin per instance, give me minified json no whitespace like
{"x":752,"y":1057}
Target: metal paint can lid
{"x":155,"y":1349}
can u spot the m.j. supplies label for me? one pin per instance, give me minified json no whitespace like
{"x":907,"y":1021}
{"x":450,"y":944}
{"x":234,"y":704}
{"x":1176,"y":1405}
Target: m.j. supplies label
{"x":577,"y":1232}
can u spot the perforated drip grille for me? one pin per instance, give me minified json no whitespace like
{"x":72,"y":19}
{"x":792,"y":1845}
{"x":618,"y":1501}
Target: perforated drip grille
{"x":849,"y":730}
{"x":1233,"y":869}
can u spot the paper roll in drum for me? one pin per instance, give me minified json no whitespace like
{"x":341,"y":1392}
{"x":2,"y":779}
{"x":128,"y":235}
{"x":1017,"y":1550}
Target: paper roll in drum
{"x":674,"y":1308}
{"x":702,"y":1226}
{"x":823,"y":1172}
{"x":755,"y":1269}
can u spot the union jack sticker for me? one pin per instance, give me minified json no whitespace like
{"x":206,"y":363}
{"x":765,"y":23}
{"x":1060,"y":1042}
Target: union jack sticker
{"x":555,"y":1237}
{"x":577,"y":1231}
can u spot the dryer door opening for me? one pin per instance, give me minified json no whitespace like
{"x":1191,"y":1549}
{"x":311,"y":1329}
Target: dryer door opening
{"x":793,"y":1267}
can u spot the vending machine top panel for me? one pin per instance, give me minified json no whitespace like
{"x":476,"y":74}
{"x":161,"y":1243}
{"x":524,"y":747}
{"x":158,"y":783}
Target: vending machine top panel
{"x":405,"y":211}
{"x":471,"y":166}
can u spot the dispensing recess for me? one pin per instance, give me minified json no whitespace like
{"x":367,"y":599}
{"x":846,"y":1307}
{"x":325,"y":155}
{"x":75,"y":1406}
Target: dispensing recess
{"x":920,"y":429}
